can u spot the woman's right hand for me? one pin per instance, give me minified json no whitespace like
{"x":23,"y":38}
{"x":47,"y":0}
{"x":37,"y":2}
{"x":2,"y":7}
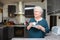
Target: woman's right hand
{"x":29,"y":26}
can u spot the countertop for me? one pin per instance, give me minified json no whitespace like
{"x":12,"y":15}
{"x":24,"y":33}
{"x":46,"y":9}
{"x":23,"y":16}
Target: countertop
{"x":49,"y":36}
{"x":2,"y":26}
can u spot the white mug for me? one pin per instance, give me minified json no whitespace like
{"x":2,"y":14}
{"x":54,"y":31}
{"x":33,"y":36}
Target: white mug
{"x":34,"y":23}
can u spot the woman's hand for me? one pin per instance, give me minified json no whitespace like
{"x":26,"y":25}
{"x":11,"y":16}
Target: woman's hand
{"x":29,"y":26}
{"x":40,"y":27}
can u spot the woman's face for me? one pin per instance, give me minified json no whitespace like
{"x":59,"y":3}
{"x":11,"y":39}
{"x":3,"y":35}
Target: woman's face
{"x":37,"y":13}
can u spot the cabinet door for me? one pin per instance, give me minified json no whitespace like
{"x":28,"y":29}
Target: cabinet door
{"x":1,"y":34}
{"x":18,"y":31}
{"x":5,"y":33}
{"x":11,"y":10}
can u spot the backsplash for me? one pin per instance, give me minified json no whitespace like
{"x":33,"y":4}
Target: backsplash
{"x":11,"y":19}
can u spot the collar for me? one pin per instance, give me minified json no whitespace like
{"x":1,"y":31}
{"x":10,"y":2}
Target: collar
{"x":39,"y":19}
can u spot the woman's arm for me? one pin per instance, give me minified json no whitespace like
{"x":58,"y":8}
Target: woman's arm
{"x":40,"y":28}
{"x":29,"y":26}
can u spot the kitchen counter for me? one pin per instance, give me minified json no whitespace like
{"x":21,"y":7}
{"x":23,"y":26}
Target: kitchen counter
{"x":18,"y":25}
{"x":2,"y":26}
{"x":49,"y":36}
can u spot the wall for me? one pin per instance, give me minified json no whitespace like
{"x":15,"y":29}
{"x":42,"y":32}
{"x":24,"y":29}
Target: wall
{"x":0,"y":17}
{"x":5,"y":10}
{"x":58,"y":21}
{"x":48,"y":20}
{"x":1,"y":7}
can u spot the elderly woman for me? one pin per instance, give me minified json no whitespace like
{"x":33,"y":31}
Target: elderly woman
{"x":38,"y":26}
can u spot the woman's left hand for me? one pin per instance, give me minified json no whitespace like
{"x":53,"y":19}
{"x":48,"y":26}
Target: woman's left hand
{"x":40,"y":27}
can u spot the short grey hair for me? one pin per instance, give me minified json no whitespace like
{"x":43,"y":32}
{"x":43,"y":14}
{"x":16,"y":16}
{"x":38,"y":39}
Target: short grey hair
{"x":39,"y":8}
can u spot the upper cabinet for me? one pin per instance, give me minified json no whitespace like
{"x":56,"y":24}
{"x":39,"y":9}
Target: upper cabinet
{"x":53,"y":6}
{"x":11,"y":10}
{"x":29,"y":11}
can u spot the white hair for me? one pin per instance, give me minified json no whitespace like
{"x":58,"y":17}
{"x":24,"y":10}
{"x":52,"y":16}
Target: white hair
{"x":38,"y":8}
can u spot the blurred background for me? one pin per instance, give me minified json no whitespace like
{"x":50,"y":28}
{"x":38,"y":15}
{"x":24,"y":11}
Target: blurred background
{"x":15,"y":15}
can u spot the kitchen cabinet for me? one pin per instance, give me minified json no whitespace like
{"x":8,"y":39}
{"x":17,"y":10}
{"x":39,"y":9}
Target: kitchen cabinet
{"x":14,"y":31}
{"x":11,"y":10}
{"x":18,"y":31}
{"x":6,"y":33}
{"x":1,"y":33}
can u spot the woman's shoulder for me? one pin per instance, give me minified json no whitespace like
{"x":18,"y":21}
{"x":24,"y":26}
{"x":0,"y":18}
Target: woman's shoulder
{"x":44,"y":20}
{"x":31,"y":20}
